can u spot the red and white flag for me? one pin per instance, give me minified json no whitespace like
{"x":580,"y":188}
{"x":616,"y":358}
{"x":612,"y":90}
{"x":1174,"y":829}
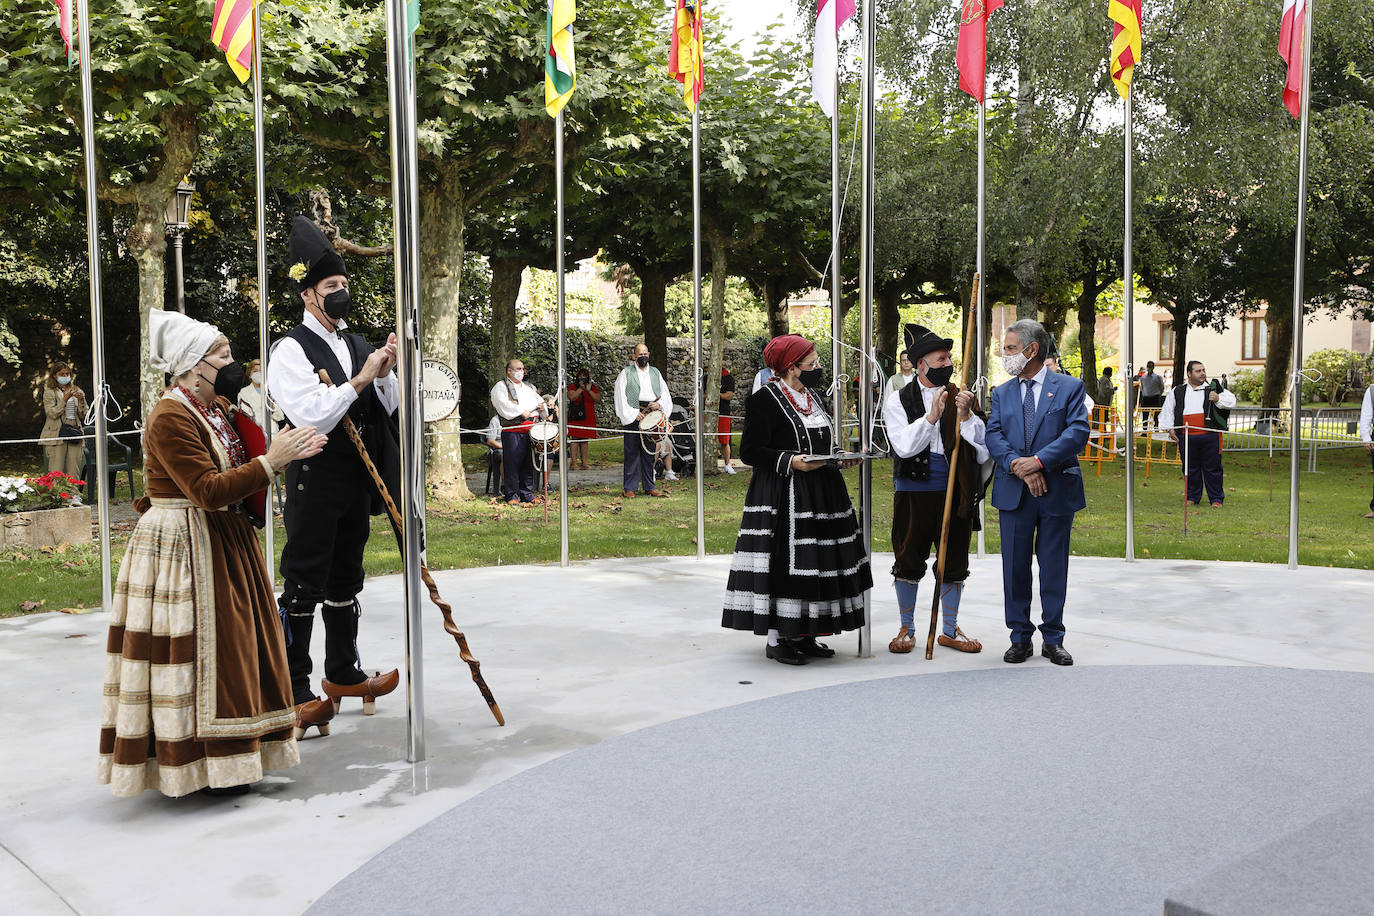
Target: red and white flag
{"x":1290,"y":49}
{"x":831,"y":15}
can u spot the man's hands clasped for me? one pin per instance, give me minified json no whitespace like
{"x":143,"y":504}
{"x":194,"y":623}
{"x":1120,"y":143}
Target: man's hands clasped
{"x":1030,"y":472}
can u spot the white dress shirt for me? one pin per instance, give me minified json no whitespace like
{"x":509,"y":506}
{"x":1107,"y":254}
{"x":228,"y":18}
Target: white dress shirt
{"x":526,"y":400}
{"x":629,"y":413}
{"x":1193,"y":401}
{"x":307,"y":401}
{"x":909,"y":439}
{"x":1367,"y":414}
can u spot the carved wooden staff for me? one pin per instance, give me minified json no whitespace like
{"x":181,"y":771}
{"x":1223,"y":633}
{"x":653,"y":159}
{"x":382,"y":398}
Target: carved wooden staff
{"x":449,"y":626}
{"x":953,"y":472}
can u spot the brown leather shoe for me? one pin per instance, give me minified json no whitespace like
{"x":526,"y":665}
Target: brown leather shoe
{"x":629,"y":494}
{"x":379,"y":685}
{"x":313,"y":712}
{"x":661,"y":494}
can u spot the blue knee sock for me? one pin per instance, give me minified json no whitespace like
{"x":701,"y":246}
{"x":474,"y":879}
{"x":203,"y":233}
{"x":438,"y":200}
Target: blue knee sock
{"x":950,"y":593}
{"x":906,"y":602}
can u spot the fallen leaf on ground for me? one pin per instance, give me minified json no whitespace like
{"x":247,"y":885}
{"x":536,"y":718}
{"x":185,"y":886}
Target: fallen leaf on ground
{"x":76,"y":610}
{"x":30,"y":605}
{"x":682,"y":526}
{"x":74,"y":636}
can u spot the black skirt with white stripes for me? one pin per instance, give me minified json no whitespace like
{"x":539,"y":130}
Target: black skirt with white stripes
{"x":799,"y":566}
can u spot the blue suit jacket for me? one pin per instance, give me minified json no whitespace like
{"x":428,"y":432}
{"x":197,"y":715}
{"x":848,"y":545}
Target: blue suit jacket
{"x":1059,"y":434}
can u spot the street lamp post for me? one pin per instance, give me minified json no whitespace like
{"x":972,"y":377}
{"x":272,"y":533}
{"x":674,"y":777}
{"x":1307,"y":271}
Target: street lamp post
{"x":176,"y":220}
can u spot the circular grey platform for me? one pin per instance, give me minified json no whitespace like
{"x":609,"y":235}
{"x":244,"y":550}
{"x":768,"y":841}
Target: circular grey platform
{"x":1027,"y":790}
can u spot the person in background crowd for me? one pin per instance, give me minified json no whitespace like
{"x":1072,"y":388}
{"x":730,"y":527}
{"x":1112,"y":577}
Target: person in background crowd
{"x":1151,"y":396}
{"x":252,"y":399}
{"x":724,"y":418}
{"x":518,"y":405}
{"x":800,"y":569}
{"x":902,"y":378}
{"x":1036,"y":428}
{"x":583,"y":396}
{"x":1366,"y":420}
{"x":197,"y":688}
{"x":761,"y":378}
{"x":64,"y":412}
{"x":639,"y":389}
{"x":1106,"y":388}
{"x":1202,"y":410}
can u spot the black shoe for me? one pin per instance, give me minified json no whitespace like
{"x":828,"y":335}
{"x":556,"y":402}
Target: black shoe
{"x":785,"y":653}
{"x":226,"y":791}
{"x":1056,"y":653}
{"x":1018,"y":653}
{"x":813,"y":649}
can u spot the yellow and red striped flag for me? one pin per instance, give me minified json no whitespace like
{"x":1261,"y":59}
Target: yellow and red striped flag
{"x":685,"y":61}
{"x":560,"y":69}
{"x":232,"y":31}
{"x":1125,"y":41}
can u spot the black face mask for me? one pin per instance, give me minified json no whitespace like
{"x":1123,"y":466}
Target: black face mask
{"x":336,"y":304}
{"x":642,"y":361}
{"x":939,"y":377}
{"x":811,"y":378}
{"x":230,"y":380}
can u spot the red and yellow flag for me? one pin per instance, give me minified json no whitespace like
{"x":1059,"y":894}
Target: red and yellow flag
{"x":1125,"y":41}
{"x":685,"y":61}
{"x":232,"y":31}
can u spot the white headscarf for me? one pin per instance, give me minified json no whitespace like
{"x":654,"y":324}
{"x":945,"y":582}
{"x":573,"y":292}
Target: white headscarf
{"x":176,"y":343}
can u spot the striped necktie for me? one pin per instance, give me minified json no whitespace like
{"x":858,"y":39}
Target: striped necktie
{"x":1028,"y":409}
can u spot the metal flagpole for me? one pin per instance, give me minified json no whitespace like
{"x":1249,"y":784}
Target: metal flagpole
{"x":866,"y":305}
{"x":1128,"y":269}
{"x":562,"y":349}
{"x":836,"y":324}
{"x":102,"y":448}
{"x":1299,"y":251}
{"x":978,"y":292}
{"x":698,"y":386}
{"x":260,"y":176}
{"x":405,"y":221}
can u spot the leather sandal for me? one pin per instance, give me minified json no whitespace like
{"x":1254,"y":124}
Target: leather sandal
{"x":903,"y":642}
{"x":961,"y":641}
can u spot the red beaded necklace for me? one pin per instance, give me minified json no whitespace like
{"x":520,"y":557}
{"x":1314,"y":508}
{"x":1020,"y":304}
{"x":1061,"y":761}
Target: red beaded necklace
{"x":238,"y":455}
{"x":804,"y":411}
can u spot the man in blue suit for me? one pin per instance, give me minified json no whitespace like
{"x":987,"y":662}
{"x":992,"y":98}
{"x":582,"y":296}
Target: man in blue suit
{"x":1037,"y":425}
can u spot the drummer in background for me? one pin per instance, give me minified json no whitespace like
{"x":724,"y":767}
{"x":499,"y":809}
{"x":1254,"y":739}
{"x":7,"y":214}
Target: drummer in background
{"x":517,"y":405}
{"x":640,"y":389}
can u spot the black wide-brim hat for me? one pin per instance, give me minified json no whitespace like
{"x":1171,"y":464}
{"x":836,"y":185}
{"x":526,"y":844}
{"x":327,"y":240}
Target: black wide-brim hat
{"x":921,"y":340}
{"x":309,"y":251}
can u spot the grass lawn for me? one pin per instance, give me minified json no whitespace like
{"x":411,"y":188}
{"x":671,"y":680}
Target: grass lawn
{"x":602,"y":524}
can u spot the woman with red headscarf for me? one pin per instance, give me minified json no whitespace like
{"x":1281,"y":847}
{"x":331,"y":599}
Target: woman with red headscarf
{"x":800,"y":568}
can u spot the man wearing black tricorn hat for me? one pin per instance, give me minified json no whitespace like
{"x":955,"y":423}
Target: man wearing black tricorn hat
{"x":923,"y":422}
{"x":331,"y":496}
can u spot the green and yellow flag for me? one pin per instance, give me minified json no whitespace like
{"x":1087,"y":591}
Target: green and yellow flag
{"x":560,"y":73}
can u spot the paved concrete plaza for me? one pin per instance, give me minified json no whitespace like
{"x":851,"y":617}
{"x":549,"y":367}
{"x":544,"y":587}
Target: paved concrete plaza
{"x":575,"y":656}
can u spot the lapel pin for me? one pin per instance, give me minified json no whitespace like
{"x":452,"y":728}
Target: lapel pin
{"x":1049,"y":394}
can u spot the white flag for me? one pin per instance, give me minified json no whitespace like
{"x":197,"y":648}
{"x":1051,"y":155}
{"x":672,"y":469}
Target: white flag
{"x":831,"y":15}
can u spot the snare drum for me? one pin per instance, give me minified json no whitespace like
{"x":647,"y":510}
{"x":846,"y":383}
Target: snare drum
{"x":653,"y":430}
{"x":544,"y":438}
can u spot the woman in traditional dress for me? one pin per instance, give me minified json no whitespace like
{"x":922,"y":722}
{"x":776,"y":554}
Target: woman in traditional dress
{"x":64,"y":405}
{"x":799,"y":569}
{"x":197,"y":692}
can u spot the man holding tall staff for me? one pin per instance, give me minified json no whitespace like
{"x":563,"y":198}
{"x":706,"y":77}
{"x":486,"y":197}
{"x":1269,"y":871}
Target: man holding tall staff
{"x":923,"y":418}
